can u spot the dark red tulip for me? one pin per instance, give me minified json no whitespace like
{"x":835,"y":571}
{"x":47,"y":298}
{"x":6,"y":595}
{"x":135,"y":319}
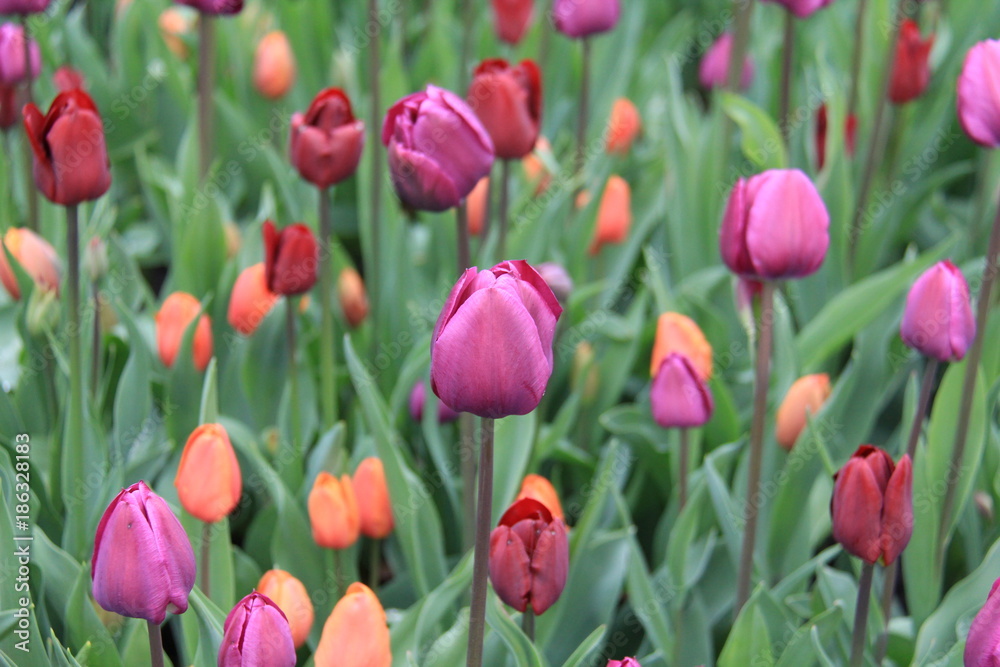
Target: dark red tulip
{"x":910,"y":71}
{"x":511,"y":18}
{"x":508,"y":101}
{"x":290,"y":258}
{"x":8,"y":106}
{"x":326,"y":141}
{"x":850,"y":134}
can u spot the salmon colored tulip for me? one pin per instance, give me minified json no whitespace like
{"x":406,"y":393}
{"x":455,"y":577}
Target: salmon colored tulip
{"x":292,"y":598}
{"x":374,"y":506}
{"x":804,"y":399}
{"x":352,"y":295}
{"x":679,"y":333}
{"x":174,"y":25}
{"x":176,"y":314}
{"x":477,"y":206}
{"x":208,"y":481}
{"x":333,"y":512}
{"x":274,"y":65}
{"x":614,"y":215}
{"x":250,"y":301}
{"x":68,"y":78}
{"x":538,"y":488}
{"x":355,"y":634}
{"x":35,"y":255}
{"x":624,"y":126}
{"x":535,"y":171}
{"x":256,"y":634}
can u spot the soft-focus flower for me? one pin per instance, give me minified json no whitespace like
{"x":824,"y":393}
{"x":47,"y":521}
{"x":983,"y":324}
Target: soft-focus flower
{"x":251,"y":300}
{"x":850,"y":135}
{"x":508,"y":102}
{"x":208,"y":480}
{"x":333,"y":512}
{"x":143,"y":564}
{"x":804,"y":399}
{"x":624,"y":662}
{"x":374,"y":506}
{"x":679,"y":333}
{"x":35,"y":255}
{"x":938,"y":320}
{"x":535,"y":171}
{"x":13,"y":69}
{"x":872,"y":505}
{"x":982,"y":647}
{"x":23,"y":6}
{"x":438,"y":149}
{"x":174,"y":25}
{"x":624,"y":126}
{"x":70,"y":158}
{"x":9,"y":106}
{"x":529,"y":556}
{"x":583,"y":18}
{"x":355,"y":634}
{"x":679,"y":397}
{"x":214,"y":7}
{"x":538,"y":488}
{"x":352,"y":295}
{"x":417,"y":397}
{"x":256,"y":634}
{"x":558,"y":280}
{"x":910,"y":70}
{"x":585,"y":372}
{"x":714,"y":67}
{"x":326,"y":141}
{"x":290,"y":258}
{"x":775,"y":226}
{"x":477,"y":206}
{"x":67,"y":78}
{"x":273,"y":65}
{"x":176,"y":315}
{"x":802,"y":8}
{"x":292,"y":598}
{"x":512,"y":18}
{"x":491,"y":351}
{"x":614,"y":215}
{"x":979,"y":95}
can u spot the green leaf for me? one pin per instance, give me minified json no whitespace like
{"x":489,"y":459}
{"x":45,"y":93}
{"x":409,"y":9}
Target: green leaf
{"x":523,"y":649}
{"x":761,"y":140}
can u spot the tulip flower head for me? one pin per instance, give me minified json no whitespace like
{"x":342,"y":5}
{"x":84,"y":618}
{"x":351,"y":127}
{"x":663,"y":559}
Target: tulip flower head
{"x":624,"y":126}
{"x":850,"y":135}
{"x":438,"y":149}
{"x":143,"y":564}
{"x":872,"y":505}
{"x":290,"y":258}
{"x":418,"y":396}
{"x":804,"y":399}
{"x":512,"y":18}
{"x":176,"y":314}
{"x":67,"y":78}
{"x":477,"y":206}
{"x":938,"y":320}
{"x":614,"y":215}
{"x":35,"y":255}
{"x":679,"y":333}
{"x":208,"y":481}
{"x":13,"y":69}
{"x":910,"y":71}
{"x":292,"y":598}
{"x":978,"y":94}
{"x":374,"y":506}
{"x":538,"y":488}
{"x":23,"y":6}
{"x":802,"y":8}
{"x":215,"y":7}
{"x":557,"y":278}
{"x":583,"y":18}
{"x":256,"y":634}
{"x":982,"y":647}
{"x":333,"y":512}
{"x":326,"y":141}
{"x":355,"y":634}
{"x":273,"y":65}
{"x":491,"y":350}
{"x":352,"y":295}
{"x":679,"y":397}
{"x":713,"y":71}
{"x":251,"y":300}
{"x":508,"y":102}
{"x":624,"y":662}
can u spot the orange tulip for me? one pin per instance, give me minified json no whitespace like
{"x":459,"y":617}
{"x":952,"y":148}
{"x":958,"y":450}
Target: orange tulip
{"x":535,"y":171}
{"x":274,"y":66}
{"x":805,"y":397}
{"x":174,"y":24}
{"x":35,"y":255}
{"x":208,"y":478}
{"x":477,"y":205}
{"x":250,"y":301}
{"x":353,"y":298}
{"x":374,"y":505}
{"x":624,"y":126}
{"x":538,"y":488}
{"x":679,"y":333}
{"x":333,"y":512}
{"x":614,"y":215}
{"x":291,"y":597}
{"x":355,"y":634}
{"x":176,"y":314}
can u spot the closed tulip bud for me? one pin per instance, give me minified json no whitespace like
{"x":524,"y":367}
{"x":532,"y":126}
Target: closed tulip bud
{"x":614,"y":215}
{"x":477,"y":206}
{"x":982,"y":647}
{"x":508,"y":102}
{"x":538,"y":488}
{"x":214,"y":7}
{"x":326,"y":140}
{"x":67,"y":78}
{"x":143,"y":564}
{"x":23,"y":6}
{"x":438,"y":149}
{"x":583,"y":18}
{"x":70,"y":158}
{"x":624,"y":126}
{"x":355,"y":634}
{"x":978,"y":94}
{"x":13,"y":68}
{"x":775,"y":226}
{"x":679,"y":397}
{"x":624,"y":662}
{"x":850,"y":135}
{"x":9,"y":106}
{"x":290,"y":258}
{"x":910,"y":71}
{"x":251,"y":300}
{"x":208,"y":481}
{"x":35,"y":255}
{"x":174,"y":25}
{"x":713,"y":71}
{"x":558,"y":280}
{"x":417,"y":397}
{"x":491,"y":351}
{"x":43,"y":311}
{"x":292,"y":598}
{"x":802,"y":8}
{"x":273,"y":66}
{"x":938,"y":321}
{"x":872,"y":505}
{"x":256,"y":634}
{"x":95,"y":258}
{"x":353,"y":298}
{"x":535,"y":171}
{"x":175,"y":316}
{"x":374,"y":506}
{"x":679,"y":333}
{"x":333,"y":512}
{"x":529,"y":556}
{"x":804,"y":399}
{"x":512,"y":18}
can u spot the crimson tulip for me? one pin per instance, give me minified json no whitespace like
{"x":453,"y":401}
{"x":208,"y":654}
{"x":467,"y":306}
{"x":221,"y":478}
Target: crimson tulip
{"x":9,"y":106}
{"x":326,"y":140}
{"x":978,"y":94}
{"x":938,"y":320}
{"x":256,"y":634}
{"x":511,"y":18}
{"x":910,"y":70}
{"x":508,"y":102}
{"x":290,"y":258}
{"x":850,"y":135}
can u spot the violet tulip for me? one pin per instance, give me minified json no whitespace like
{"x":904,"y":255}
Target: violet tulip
{"x":938,"y":320}
{"x":13,"y":69}
{"x":712,"y":71}
{"x":872,"y":505}
{"x":491,"y":351}
{"x":775,"y":226}
{"x":982,"y":648}
{"x":256,"y":634}
{"x":910,"y":70}
{"x":978,"y":94}
{"x":214,"y":7}
{"x":802,"y":8}
{"x":143,"y":564}
{"x":23,"y":6}
{"x":679,"y":397}
{"x":583,"y":18}
{"x":508,"y":102}
{"x":418,"y":397}
{"x":529,"y":556}
{"x":326,"y":140}
{"x":438,"y":149}
{"x":511,"y":18}
{"x":290,"y":258}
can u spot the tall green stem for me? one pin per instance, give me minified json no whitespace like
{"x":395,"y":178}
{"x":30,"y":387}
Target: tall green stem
{"x":683,"y":467}
{"x":155,"y":644}
{"x":206,"y":557}
{"x":484,"y":513}
{"x":72,"y":455}
{"x":29,"y":182}
{"x":467,"y":458}
{"x":293,"y":379}
{"x":464,"y":253}
{"x":375,"y":220}
{"x":582,"y":112}
{"x":861,"y":615}
{"x":859,"y":30}
{"x":528,"y":623}
{"x":504,"y":183}
{"x":95,"y":344}
{"x":741,"y":42}
{"x":327,"y":350}
{"x":206,"y":86}
{"x":786,"y":76}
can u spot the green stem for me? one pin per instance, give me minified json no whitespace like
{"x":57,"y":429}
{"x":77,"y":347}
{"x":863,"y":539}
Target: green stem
{"x":528,"y":623}
{"x":786,"y":76}
{"x":859,"y":28}
{"x":504,"y":183}
{"x":484,"y":511}
{"x":206,"y":557}
{"x":338,"y":574}
{"x":468,"y":21}
{"x":374,"y":564}
{"x":741,"y":42}
{"x":581,"y":128}
{"x":683,"y":467}
{"x":72,"y":455}
{"x":467,"y":459}
{"x":375,"y":220}
{"x":29,"y":182}
{"x":293,"y":379}
{"x":206,"y":71}
{"x":155,"y":644}
{"x":464,"y":252}
{"x":95,"y":345}
{"x":327,"y":349}
{"x":861,"y":615}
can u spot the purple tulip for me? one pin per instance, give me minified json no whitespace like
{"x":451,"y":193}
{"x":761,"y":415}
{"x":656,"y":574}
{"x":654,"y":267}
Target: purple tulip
{"x":529,"y":556}
{"x":438,"y":149}
{"x":23,"y":7}
{"x":802,"y":8}
{"x":257,"y":634}
{"x":215,"y":7}
{"x":12,"y":67}
{"x":982,"y":648}
{"x":583,"y":18}
{"x":491,"y":352}
{"x":712,"y":72}
{"x":418,"y":398}
{"x":558,"y":280}
{"x":679,"y":397}
{"x":775,"y":226}
{"x":938,"y":319}
{"x":979,"y":94}
{"x":143,"y":564}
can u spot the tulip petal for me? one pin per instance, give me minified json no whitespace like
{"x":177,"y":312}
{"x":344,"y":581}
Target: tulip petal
{"x":732,"y":234}
{"x":79,"y":156}
{"x":549,"y":566}
{"x":453,"y":138}
{"x":420,"y":181}
{"x":510,"y":569}
{"x":856,"y":510}
{"x":355,"y":634}
{"x":897,"y":511}
{"x":175,"y":549}
{"x":678,"y":397}
{"x":982,"y":648}
{"x":979,"y":93}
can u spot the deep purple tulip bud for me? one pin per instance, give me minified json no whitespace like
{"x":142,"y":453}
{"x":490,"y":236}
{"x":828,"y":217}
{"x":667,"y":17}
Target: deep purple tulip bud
{"x":438,"y":149}
{"x":418,"y":397}
{"x":938,"y":319}
{"x":12,"y":66}
{"x":23,"y":6}
{"x":775,"y":226}
{"x":872,"y":505}
{"x":143,"y":564}
{"x":558,"y":280}
{"x":491,"y":352}
{"x":626,"y":662}
{"x":214,"y":7}
{"x":802,"y":8}
{"x":529,"y":556}
{"x":679,"y":397}
{"x":256,"y":635}
{"x":714,"y":67}
{"x":979,"y":95}
{"x":982,"y":648}
{"x":583,"y":18}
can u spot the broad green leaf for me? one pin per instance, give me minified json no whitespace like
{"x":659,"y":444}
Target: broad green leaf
{"x":761,"y":140}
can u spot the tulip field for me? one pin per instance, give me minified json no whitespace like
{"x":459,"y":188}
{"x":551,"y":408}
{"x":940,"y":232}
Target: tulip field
{"x":520,"y":333}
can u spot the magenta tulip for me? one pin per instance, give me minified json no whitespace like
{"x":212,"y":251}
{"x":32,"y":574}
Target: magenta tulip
{"x":626,"y":662}
{"x":326,"y":141}
{"x":418,"y":398}
{"x":938,"y":319}
{"x":679,"y":397}
{"x":143,"y":564}
{"x":256,"y":634}
{"x":214,"y":7}
{"x":511,"y":18}
{"x":802,"y":8}
{"x":979,"y":94}
{"x":712,"y":72}
{"x":23,"y":6}
{"x":508,"y":102}
{"x":982,"y":648}
{"x":583,"y":18}
{"x":13,"y":69}
{"x":491,"y":351}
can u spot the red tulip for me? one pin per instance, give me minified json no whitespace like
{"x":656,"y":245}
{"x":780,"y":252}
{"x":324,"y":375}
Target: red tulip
{"x":910,"y":71}
{"x":8,"y":106}
{"x":508,"y":101}
{"x":256,"y":634}
{"x":326,"y":141}
{"x":511,"y":18}
{"x":290,"y":258}
{"x":850,"y":135}
{"x":67,"y":78}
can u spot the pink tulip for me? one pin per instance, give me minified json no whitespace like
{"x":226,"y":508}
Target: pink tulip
{"x":982,"y":648}
{"x":511,"y":18}
{"x":679,"y":397}
{"x":938,"y":319}
{"x":256,"y":634}
{"x":326,"y":141}
{"x":583,"y":18}
{"x":712,"y":72}
{"x":979,"y":94}
{"x":625,"y":662}
{"x":802,"y":8}
{"x":12,"y":65}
